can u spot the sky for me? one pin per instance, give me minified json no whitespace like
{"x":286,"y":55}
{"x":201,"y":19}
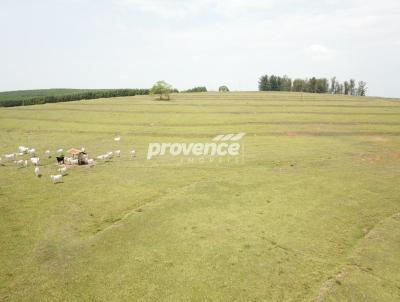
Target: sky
{"x":134,"y":43}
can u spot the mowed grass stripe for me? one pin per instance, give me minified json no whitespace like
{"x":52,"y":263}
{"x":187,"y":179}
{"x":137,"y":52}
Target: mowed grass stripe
{"x":290,"y":133}
{"x":229,"y":105}
{"x":284,"y":123}
{"x":208,"y":112}
{"x":269,"y":96}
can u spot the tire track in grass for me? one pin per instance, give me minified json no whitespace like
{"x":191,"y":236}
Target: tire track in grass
{"x":119,"y":221}
{"x":350,"y":264}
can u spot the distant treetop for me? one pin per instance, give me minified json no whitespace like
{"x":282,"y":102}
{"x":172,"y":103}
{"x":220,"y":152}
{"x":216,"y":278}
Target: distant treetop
{"x":313,"y":85}
{"x":197,"y":89}
{"x":223,"y":88}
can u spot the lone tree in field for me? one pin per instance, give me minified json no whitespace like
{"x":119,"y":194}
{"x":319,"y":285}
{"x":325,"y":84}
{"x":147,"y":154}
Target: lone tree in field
{"x":162,"y":89}
{"x":223,"y":88}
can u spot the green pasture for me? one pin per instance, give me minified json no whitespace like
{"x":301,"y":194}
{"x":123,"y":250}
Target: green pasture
{"x":308,"y":212}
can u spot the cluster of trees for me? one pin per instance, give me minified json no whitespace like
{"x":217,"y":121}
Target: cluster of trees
{"x":52,"y":96}
{"x":197,"y":89}
{"x":162,"y":89}
{"x":313,"y":85}
{"x":222,"y":88}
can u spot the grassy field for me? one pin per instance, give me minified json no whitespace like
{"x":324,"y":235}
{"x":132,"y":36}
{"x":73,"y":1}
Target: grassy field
{"x":310,"y":212}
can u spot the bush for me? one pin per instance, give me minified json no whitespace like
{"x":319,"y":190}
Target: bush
{"x":223,"y":88}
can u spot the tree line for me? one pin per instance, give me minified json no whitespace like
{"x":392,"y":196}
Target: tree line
{"x":196,"y":89}
{"x":313,"y":85}
{"x":51,"y":96}
{"x":222,"y":88}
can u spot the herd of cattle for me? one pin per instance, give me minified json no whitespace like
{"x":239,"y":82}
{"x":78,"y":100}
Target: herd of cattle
{"x":62,"y":161}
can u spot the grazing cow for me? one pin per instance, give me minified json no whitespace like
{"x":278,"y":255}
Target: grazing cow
{"x":35,"y":160}
{"x":63,"y":170}
{"x":47,"y":153}
{"x":117,"y":139}
{"x":61,"y":150}
{"x":23,"y":149}
{"x":60,"y":160}
{"x":37,"y":172}
{"x":68,"y":160}
{"x":32,"y":151}
{"x":10,"y":156}
{"x":22,"y":163}
{"x":133,"y":153}
{"x":56,"y":178}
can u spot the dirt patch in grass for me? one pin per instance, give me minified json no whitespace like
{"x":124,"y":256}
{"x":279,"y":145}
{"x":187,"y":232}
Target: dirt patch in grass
{"x":379,"y":138}
{"x":365,"y":157}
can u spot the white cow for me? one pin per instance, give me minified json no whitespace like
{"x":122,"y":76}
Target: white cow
{"x":32,"y":151}
{"x":22,"y":163}
{"x":56,"y":178}
{"x":67,"y":160}
{"x":35,"y":160}
{"x":61,"y":150}
{"x":23,"y":149}
{"x":47,"y":153}
{"x":10,"y":156}
{"x":117,"y":138}
{"x":117,"y":153}
{"x":37,"y":171}
{"x":133,"y":153}
{"x":63,"y":170}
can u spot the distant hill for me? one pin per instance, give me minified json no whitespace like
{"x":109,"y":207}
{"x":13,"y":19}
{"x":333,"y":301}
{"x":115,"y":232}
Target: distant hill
{"x":42,"y":96}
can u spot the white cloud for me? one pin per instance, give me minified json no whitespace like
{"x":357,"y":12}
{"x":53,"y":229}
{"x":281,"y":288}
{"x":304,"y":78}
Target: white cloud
{"x":320,"y":53}
{"x":234,"y":8}
{"x":188,"y":42}
{"x":162,"y":8}
{"x":182,"y":9}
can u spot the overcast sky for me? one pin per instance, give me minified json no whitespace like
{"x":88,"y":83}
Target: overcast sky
{"x":133,"y":43}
